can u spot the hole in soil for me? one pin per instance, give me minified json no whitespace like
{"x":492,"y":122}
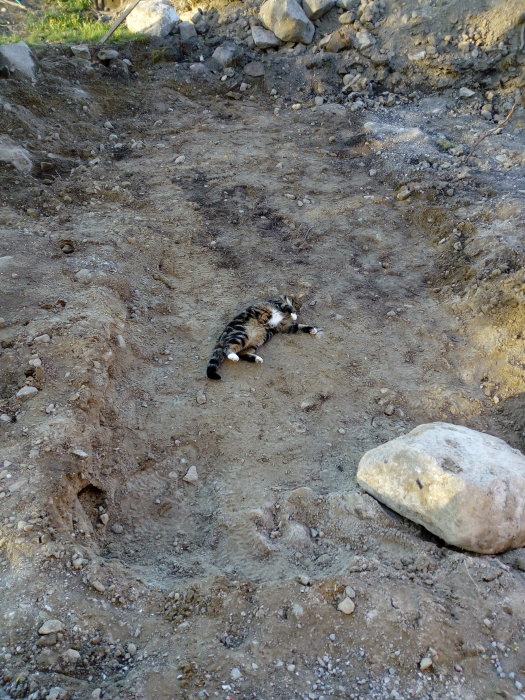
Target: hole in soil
{"x":91,"y":499}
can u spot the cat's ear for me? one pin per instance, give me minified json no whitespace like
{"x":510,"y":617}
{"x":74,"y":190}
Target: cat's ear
{"x":297,"y":300}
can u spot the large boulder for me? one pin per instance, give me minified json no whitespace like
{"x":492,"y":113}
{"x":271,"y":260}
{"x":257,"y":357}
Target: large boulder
{"x":18,"y":59}
{"x":464,"y":486}
{"x":152,"y":17}
{"x":287,"y":20}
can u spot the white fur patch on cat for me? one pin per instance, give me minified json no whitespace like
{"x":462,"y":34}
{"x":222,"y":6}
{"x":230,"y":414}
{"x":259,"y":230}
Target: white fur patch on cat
{"x":233,"y":356}
{"x":258,"y":358}
{"x":275,"y":318}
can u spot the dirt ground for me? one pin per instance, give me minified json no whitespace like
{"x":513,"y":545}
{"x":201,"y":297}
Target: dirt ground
{"x":161,"y":201}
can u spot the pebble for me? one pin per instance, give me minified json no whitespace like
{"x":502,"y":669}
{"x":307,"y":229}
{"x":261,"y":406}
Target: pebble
{"x":425,"y":663}
{"x":98,"y":586}
{"x":84,"y":276}
{"x":466,"y":92}
{"x":296,"y":106}
{"x":389,"y":410}
{"x":117,"y":528}
{"x":201,"y":399}
{"x":71,"y":656}
{"x":404,"y":193}
{"x":346,"y":606}
{"x":26,"y":392}
{"x":44,"y":338}
{"x":191,"y":475}
{"x":80,"y":453}
{"x":235,"y":674}
{"x":104,"y":518}
{"x":51,"y":626}
{"x":179,"y":160}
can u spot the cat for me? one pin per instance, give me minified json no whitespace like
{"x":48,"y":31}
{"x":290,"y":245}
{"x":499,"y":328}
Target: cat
{"x":252,"y":328}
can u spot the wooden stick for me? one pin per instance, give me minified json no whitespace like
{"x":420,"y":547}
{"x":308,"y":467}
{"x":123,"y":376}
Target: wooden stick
{"x":491,"y":131}
{"x":116,"y":24}
{"x":14,"y":4}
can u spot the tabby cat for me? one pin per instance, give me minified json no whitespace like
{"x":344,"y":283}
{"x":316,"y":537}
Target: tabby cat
{"x":252,"y":328}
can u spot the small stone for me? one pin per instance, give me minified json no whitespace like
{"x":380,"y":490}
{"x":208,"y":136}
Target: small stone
{"x":349,"y":592}
{"x":96,"y":694}
{"x":56,"y":693}
{"x":117,"y":528}
{"x":107,"y":54}
{"x":226,"y":54}
{"x":465,"y":93}
{"x":179,"y":160}
{"x":132,"y":649}
{"x":84,"y":276}
{"x":187,"y":32}
{"x":243,"y":87}
{"x":346,"y":606}
{"x":319,"y":100}
{"x":191,"y":475}
{"x":98,"y":586}
{"x":389,"y":410}
{"x":417,"y":56}
{"x":51,"y":626}
{"x":71,"y":656}
{"x":404,"y":193}
{"x":104,"y":518}
{"x":317,"y":8}
{"x":425,"y":663}
{"x":264,"y":38}
{"x":235,"y":674}
{"x":201,"y":399}
{"x":44,"y":338}
{"x":80,"y":453}
{"x":81,"y":51}
{"x":254,"y":69}
{"x":35,"y":362}
{"x":304,"y":580}
{"x":120,"y":341}
{"x":296,"y":106}
{"x":26,"y":392}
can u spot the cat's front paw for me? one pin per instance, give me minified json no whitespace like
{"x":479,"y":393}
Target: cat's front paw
{"x":314,"y":331}
{"x":258,"y":359}
{"x":233,"y":357}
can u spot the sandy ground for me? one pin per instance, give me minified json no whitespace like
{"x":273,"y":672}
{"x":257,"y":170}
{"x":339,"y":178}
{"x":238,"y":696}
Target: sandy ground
{"x":119,"y":274}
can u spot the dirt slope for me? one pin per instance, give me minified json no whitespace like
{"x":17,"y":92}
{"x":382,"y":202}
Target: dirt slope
{"x":164,"y":207}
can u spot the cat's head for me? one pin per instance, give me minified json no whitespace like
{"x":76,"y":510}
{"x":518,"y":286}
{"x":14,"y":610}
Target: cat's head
{"x":288,"y":304}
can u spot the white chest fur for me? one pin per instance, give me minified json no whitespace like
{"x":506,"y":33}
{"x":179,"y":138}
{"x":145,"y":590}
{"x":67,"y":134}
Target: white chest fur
{"x":275,"y":318}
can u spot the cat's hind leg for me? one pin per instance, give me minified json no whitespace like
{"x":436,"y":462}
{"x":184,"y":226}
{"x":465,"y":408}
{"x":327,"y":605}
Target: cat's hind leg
{"x":250,"y":357}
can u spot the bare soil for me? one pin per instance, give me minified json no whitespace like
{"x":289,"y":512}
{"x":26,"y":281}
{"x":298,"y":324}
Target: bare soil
{"x":130,"y":259}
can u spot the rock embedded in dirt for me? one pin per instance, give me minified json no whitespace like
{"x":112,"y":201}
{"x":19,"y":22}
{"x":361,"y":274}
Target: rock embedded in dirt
{"x":51,"y":626}
{"x":152,"y":17}
{"x":464,"y":486}
{"x":187,"y":32}
{"x":425,"y":663}
{"x":340,"y":40}
{"x":346,"y":606}
{"x":19,"y":60}
{"x":317,"y":8}
{"x":254,"y":69}
{"x":81,"y":51}
{"x":264,"y":38}
{"x":18,"y":157}
{"x":287,"y":20}
{"x":226,"y":54}
{"x":191,"y":475}
{"x":26,"y":392}
{"x":465,"y":92}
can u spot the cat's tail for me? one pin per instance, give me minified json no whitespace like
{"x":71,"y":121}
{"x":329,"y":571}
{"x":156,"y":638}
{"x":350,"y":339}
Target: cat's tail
{"x":215,"y":360}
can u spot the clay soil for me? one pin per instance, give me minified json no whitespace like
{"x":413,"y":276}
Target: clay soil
{"x":130,"y":259}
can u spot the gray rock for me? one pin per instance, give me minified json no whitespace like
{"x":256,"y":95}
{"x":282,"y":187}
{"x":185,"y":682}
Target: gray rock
{"x":254,"y":69}
{"x":81,"y":51}
{"x":464,"y":486}
{"x":317,"y":8}
{"x":107,"y":55}
{"x":187,"y":31}
{"x":465,"y":92}
{"x":191,"y":475}
{"x":264,"y":38}
{"x":363,"y":40}
{"x":51,"y":626}
{"x":19,"y":60}
{"x":226,"y":54}
{"x":12,"y":153}
{"x":26,"y":392}
{"x":152,"y":17}
{"x":346,"y":18}
{"x":287,"y":20}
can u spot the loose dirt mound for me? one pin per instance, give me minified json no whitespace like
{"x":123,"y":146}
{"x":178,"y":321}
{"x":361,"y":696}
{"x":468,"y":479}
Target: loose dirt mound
{"x":157,"y":206}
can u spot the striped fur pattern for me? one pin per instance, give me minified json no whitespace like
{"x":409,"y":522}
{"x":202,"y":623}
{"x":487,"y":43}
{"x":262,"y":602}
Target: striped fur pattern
{"x":252,"y":328}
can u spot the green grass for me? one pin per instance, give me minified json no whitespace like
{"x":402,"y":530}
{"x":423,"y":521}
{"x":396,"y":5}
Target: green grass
{"x":70,"y":21}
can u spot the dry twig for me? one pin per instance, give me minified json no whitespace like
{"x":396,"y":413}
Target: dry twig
{"x":491,"y":131}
